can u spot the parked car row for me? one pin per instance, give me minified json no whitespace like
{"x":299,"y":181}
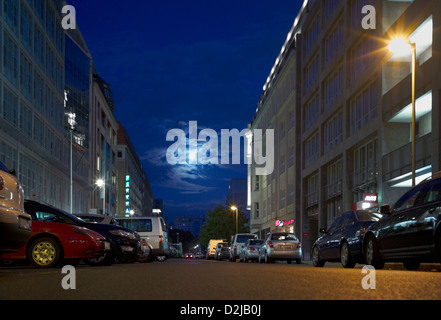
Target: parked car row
{"x":408,"y":232}
{"x":59,"y":237}
{"x":247,"y":247}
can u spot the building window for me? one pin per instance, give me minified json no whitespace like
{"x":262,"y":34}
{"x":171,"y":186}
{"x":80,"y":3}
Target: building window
{"x":311,"y":35}
{"x":312,"y":191}
{"x":363,"y":108}
{"x":312,"y":112}
{"x":256,"y":210}
{"x":365,"y":165}
{"x":333,"y":42}
{"x":333,"y":88}
{"x":311,"y":149}
{"x":333,"y":132}
{"x":312,"y":72}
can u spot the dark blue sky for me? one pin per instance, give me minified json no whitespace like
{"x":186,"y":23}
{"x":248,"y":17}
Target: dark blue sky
{"x":171,"y":62}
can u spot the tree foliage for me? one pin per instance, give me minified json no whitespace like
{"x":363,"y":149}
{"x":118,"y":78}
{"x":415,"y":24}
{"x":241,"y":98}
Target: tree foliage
{"x":221,"y":224}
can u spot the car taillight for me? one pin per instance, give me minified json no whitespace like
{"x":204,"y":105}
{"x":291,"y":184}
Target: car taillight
{"x":299,"y":245}
{"x":270,"y":244}
{"x":2,"y":183}
{"x":143,"y":242}
{"x":160,"y":239}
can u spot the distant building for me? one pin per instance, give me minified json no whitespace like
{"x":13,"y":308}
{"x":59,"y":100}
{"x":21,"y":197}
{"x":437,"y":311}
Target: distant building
{"x":193,"y":224}
{"x":102,"y":147}
{"x":135,"y":195}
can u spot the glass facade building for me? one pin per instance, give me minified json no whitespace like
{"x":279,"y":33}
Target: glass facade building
{"x":340,"y":104}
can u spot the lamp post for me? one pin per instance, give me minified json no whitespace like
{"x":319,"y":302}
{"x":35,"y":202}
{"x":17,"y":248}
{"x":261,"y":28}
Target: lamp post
{"x":72,"y":123}
{"x":399,"y":45}
{"x":234,"y":208}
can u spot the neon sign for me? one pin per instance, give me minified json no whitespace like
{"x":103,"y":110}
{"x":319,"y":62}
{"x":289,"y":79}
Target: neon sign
{"x":281,"y":223}
{"x":127,"y":195}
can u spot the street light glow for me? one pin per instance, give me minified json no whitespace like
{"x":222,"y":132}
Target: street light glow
{"x":233,"y":208}
{"x":100,"y":182}
{"x":400,"y":46}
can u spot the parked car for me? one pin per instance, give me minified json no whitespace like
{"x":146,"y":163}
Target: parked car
{"x":151,"y":229}
{"x":97,"y":218}
{"x":15,"y":224}
{"x":410,"y":232}
{"x":280,"y":246}
{"x":124,"y":243}
{"x":250,"y":252}
{"x":237,"y":244}
{"x":211,"y":248}
{"x":53,"y":243}
{"x":222,"y":251}
{"x":344,"y":238}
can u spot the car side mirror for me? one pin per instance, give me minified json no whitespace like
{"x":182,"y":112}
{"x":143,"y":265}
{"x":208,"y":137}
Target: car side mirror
{"x":323,"y":230}
{"x":385,"y":209}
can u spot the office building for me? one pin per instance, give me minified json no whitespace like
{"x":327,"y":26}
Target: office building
{"x":102,"y":146}
{"x":33,"y":137}
{"x":340,"y":103}
{"x":135,"y":197}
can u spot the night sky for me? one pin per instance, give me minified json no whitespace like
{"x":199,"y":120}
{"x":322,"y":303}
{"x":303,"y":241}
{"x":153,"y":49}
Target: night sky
{"x":171,"y":62}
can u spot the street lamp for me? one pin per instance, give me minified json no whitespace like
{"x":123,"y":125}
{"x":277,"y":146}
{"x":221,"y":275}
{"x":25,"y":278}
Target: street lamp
{"x":403,"y":46}
{"x":234,"y":208}
{"x":102,"y":184}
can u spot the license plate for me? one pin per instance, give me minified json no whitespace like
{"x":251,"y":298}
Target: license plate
{"x":106,"y":245}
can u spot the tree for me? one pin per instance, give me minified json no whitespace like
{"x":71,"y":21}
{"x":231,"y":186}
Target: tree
{"x":221,"y":224}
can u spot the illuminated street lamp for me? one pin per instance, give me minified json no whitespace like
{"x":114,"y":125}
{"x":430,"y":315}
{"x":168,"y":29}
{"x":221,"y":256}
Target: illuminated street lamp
{"x":234,"y":208}
{"x":102,"y":184}
{"x":400,"y":46}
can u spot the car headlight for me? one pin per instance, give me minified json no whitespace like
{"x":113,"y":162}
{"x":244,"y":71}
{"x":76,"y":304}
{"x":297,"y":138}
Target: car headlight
{"x":123,"y":233}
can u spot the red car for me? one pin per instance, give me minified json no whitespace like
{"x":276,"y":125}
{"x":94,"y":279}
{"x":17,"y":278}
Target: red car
{"x":52,"y":243}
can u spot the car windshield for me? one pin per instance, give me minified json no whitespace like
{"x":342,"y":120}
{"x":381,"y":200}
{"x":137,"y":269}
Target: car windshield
{"x":139,"y":225}
{"x":366,"y":216}
{"x":284,"y":236}
{"x":52,"y":214}
{"x":256,"y":242}
{"x":245,"y":237}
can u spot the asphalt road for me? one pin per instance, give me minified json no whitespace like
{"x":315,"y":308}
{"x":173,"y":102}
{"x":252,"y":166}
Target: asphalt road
{"x":178,"y":279}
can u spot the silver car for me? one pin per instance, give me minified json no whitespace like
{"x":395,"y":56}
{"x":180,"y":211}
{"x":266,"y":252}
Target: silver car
{"x":281,"y":246}
{"x":15,"y":223}
{"x":250,"y":252}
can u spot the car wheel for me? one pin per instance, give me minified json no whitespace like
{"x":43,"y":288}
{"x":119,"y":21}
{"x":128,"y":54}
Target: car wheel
{"x":267,"y":259}
{"x":44,"y":252}
{"x":316,"y":262}
{"x":345,"y":256}
{"x":372,"y":254}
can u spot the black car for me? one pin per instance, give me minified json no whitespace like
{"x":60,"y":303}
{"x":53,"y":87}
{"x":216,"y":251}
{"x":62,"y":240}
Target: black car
{"x":344,"y":238}
{"x":411,"y":230}
{"x":125,"y":243}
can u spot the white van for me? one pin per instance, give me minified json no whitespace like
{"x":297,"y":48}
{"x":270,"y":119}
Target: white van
{"x":151,"y":229}
{"x":211,"y":249}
